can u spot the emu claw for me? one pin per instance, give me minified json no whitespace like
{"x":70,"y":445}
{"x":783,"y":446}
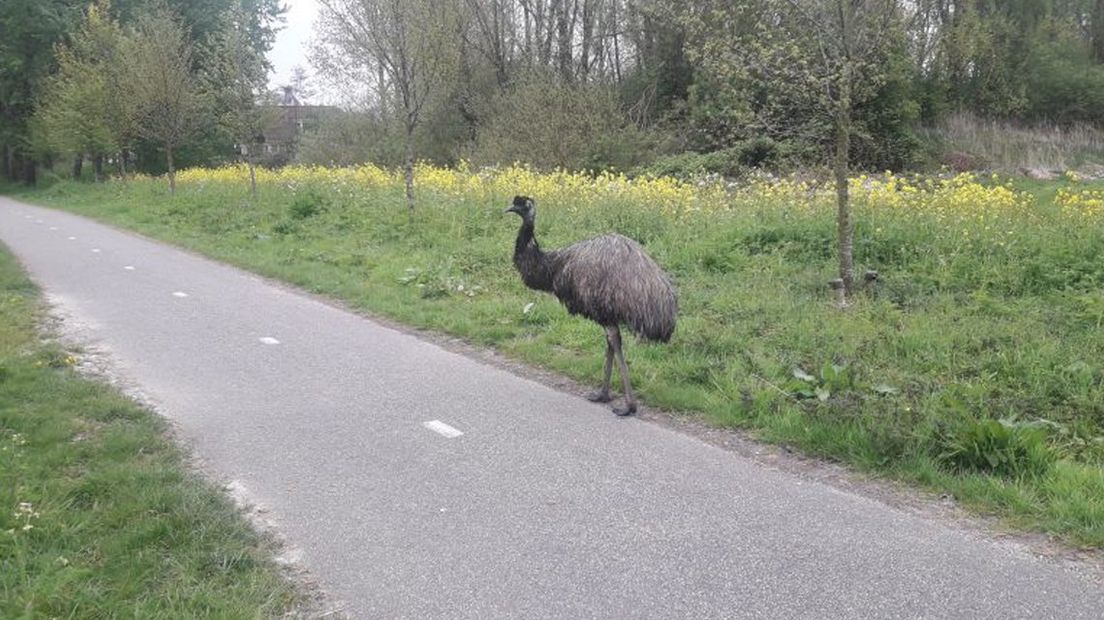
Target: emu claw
{"x":599,"y":396}
{"x":625,"y":411}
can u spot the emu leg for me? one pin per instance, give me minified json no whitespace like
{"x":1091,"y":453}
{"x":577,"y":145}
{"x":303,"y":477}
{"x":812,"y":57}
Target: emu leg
{"x":630,"y":402}
{"x":603,"y":395}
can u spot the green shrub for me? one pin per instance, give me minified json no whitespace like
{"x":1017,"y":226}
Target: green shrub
{"x":682,"y":166}
{"x":548,"y":124}
{"x":732,"y":163}
{"x":306,"y":204}
{"x":1002,"y":447}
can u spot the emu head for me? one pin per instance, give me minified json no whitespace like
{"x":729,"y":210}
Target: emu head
{"x":523,"y":206}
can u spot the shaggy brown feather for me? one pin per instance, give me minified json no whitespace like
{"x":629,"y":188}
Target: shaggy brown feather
{"x":610,"y":279}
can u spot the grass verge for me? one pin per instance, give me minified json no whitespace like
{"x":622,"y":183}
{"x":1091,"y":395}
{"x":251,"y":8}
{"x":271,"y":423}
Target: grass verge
{"x":100,"y":516}
{"x":974,"y":367}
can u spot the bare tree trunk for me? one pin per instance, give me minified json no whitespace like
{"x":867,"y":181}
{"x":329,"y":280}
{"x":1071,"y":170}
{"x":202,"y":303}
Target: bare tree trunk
{"x":616,"y":44}
{"x":846,"y":230}
{"x":172,"y":170}
{"x":564,"y":27}
{"x":30,"y":170}
{"x":408,"y":167}
{"x":383,"y":93}
{"x":97,"y":168}
{"x":1097,"y":25}
{"x":545,"y":31}
{"x":499,"y":45}
{"x":8,"y":170}
{"x":78,"y":166}
{"x":464,"y":96}
{"x":527,"y":20}
{"x":122,"y":164}
{"x":584,"y":48}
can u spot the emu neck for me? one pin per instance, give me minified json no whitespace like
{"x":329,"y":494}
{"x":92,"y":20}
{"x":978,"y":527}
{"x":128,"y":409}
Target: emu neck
{"x":533,"y":264}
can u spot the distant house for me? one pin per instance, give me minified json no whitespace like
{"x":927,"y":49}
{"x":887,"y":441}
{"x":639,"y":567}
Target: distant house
{"x":289,"y":118}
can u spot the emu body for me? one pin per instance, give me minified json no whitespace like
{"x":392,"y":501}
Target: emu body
{"x":610,"y":280}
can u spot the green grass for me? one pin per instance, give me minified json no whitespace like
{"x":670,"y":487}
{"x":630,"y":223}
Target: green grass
{"x":100,"y":516}
{"x":974,"y":322}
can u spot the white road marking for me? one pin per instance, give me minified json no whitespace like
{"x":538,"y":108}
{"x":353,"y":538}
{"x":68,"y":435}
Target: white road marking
{"x":53,"y":228}
{"x":95,"y":250}
{"x":179,"y":294}
{"x":72,"y":238}
{"x":129,"y":267}
{"x":38,"y":221}
{"x":269,"y":340}
{"x":438,"y":426}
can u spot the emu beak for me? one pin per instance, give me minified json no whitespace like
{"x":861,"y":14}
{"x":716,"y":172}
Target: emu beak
{"x":510,"y":209}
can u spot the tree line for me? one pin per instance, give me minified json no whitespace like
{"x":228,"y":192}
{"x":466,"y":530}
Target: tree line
{"x":150,"y":83}
{"x":653,"y":85}
{"x":618,"y":83}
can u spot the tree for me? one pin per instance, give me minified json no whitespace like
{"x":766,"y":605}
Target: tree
{"x":408,"y":46}
{"x":301,"y":84}
{"x":1096,"y":21}
{"x":159,"y":80}
{"x":830,"y":56}
{"x":28,"y":31}
{"x":238,"y":79}
{"x":79,"y":110}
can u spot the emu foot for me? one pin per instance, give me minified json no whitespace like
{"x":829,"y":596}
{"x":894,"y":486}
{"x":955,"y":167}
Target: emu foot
{"x":599,"y":396}
{"x":628,"y":409}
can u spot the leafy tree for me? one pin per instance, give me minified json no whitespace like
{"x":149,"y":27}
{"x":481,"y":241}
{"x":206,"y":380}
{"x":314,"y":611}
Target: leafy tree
{"x":301,"y":84}
{"x":79,"y":109}
{"x":238,"y":79}
{"x":28,"y":31}
{"x":204,"y":22}
{"x":168,"y":101}
{"x":829,"y":56}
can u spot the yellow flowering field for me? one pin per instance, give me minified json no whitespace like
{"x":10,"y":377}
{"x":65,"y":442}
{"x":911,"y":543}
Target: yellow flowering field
{"x":946,"y":220}
{"x":956,"y":214}
{"x":958,"y":198}
{"x":1084,"y":203}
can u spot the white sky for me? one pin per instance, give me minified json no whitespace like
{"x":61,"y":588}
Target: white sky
{"x":290,"y":48}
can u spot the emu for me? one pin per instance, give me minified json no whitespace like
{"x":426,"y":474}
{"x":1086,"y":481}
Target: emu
{"x":610,"y":280}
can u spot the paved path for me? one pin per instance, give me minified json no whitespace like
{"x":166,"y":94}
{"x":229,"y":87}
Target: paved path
{"x":546,"y":506}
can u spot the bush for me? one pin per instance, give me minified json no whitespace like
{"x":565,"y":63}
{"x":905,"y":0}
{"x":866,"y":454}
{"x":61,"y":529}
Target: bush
{"x":1065,"y":84}
{"x":681,"y":166}
{"x":1001,"y":447}
{"x":349,"y":138}
{"x":549,"y":125}
{"x":306,"y":203}
{"x":732,"y":162}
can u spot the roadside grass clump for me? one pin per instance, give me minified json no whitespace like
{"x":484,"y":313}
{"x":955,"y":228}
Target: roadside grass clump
{"x":987,"y":306}
{"x":100,"y":516}
{"x":1002,"y":447}
{"x":306,"y":203}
